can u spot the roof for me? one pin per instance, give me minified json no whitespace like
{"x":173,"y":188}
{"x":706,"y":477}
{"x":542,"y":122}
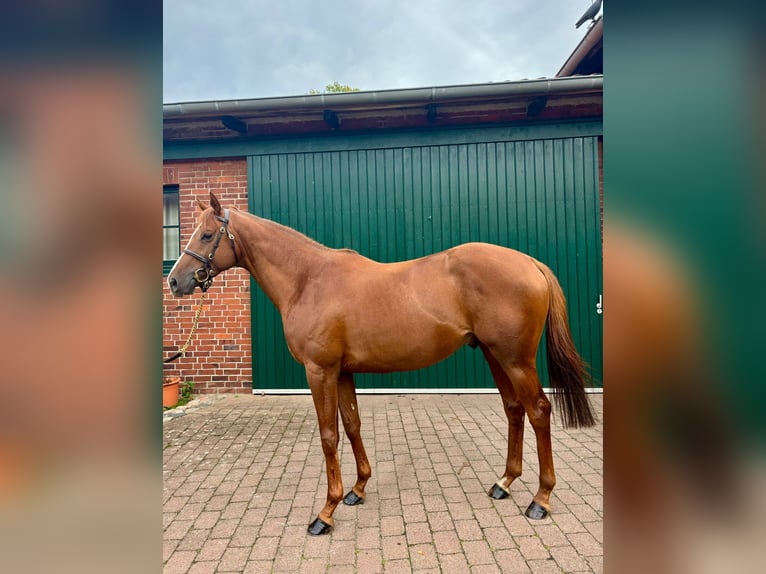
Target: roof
{"x":543,"y":99}
{"x":588,"y":57}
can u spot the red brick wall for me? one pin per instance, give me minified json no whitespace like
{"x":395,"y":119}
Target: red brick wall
{"x":219,"y":358}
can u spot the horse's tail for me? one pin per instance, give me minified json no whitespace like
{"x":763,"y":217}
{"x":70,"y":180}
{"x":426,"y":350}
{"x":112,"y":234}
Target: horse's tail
{"x":566,"y":368}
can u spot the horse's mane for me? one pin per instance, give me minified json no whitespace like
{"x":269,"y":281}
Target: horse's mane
{"x":295,"y":233}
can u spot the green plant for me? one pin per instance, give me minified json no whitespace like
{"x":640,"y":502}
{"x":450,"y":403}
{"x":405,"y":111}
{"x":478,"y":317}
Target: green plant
{"x":334,"y":88}
{"x":186,"y":390}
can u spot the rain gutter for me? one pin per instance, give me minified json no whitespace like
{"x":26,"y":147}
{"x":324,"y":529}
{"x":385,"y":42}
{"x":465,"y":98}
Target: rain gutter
{"x":523,"y":88}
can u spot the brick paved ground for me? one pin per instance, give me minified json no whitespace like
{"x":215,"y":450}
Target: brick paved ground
{"x":244,"y":476}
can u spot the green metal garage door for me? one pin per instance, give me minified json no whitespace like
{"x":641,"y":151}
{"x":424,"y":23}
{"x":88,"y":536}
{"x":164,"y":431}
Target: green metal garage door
{"x":401,"y":196}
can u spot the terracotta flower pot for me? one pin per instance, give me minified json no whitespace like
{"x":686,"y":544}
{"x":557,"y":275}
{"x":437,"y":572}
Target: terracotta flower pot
{"x":170,"y":391}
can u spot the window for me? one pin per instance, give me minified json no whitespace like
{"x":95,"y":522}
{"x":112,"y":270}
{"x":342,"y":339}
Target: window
{"x":171,"y":227}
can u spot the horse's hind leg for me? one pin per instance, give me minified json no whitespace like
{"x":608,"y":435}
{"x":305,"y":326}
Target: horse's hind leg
{"x":349,"y":412}
{"x":514,"y":410}
{"x":538,"y":408}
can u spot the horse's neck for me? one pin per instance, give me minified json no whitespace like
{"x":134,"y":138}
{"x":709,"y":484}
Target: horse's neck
{"x":278,"y":258}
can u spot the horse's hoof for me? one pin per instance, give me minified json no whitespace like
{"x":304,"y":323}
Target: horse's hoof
{"x":319,"y":527}
{"x":353,"y":499}
{"x":536,"y":511}
{"x":497,"y":492}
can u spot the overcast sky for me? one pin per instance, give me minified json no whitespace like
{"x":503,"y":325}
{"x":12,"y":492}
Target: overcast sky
{"x":241,"y":49}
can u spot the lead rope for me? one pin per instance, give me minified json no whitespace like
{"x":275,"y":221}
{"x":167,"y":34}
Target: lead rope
{"x":195,"y":322}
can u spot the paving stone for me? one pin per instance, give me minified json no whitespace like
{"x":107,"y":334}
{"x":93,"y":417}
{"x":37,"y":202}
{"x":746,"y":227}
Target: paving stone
{"x":423,"y":557}
{"x":272,"y":527}
{"x":568,"y":559}
{"x":194,"y":540}
{"x":234,"y":510}
{"x":547,"y":566}
{"x":391,"y":525}
{"x":256,"y":517}
{"x":511,"y":560}
{"x":454,"y":564}
{"x":233,"y":560}
{"x":175,"y":504}
{"x":244,"y":536}
{"x":261,"y":567}
{"x":468,"y":530}
{"x":596,"y":529}
{"x":224,"y":528}
{"x":368,"y":538}
{"x":498,"y":538}
{"x":288,"y":559}
{"x":596,"y":564}
{"x":531,"y":547}
{"x":179,"y":562}
{"x":177,"y":529}
{"x":460,"y":510}
{"x":168,"y":547}
{"x":585,"y":544}
{"x":440,"y":521}
{"x":418,"y":533}
{"x":414,"y":513}
{"x":478,"y":552}
{"x":397,"y":567}
{"x":208,"y":567}
{"x":243,"y":477}
{"x":568,"y":523}
{"x":314,"y":546}
{"x":213,"y":549}
{"x":369,"y":561}
{"x":447,"y":542}
{"x":394,"y":547}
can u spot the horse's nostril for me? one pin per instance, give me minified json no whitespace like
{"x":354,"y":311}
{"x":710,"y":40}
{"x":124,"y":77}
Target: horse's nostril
{"x":173,"y":283}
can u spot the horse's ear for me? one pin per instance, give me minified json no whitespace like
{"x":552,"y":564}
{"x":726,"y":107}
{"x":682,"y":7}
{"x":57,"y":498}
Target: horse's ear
{"x":201,"y":206}
{"x":215,"y":204}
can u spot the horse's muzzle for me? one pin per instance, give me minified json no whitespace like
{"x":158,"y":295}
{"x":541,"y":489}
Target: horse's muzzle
{"x":183,"y":287}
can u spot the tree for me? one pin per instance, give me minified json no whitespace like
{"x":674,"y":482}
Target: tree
{"x":334,"y":88}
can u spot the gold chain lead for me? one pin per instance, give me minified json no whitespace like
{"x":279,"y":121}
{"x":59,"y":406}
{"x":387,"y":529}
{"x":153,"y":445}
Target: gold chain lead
{"x":195,"y":321}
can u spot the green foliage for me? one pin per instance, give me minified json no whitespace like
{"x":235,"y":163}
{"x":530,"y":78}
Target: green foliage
{"x":187,"y":388}
{"x":334,"y":88}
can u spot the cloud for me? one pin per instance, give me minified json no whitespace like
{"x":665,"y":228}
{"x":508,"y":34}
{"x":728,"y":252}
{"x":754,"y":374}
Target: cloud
{"x":255,"y":48}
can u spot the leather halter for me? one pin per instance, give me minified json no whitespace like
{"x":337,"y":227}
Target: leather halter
{"x":204,"y":281}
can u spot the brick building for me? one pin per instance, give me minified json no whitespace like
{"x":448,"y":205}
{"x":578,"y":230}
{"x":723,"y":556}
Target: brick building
{"x":370,"y":155}
{"x":219,"y":358}
{"x":342,"y":167}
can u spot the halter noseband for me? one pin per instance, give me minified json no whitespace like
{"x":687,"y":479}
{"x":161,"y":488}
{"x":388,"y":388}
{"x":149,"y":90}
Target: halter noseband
{"x":204,"y":275}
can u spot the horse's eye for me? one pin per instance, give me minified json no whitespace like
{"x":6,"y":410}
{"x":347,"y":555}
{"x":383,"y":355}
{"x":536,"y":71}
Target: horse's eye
{"x":207,"y":236}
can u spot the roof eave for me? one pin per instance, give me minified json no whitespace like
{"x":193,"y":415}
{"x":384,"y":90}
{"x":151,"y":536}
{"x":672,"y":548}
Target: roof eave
{"x":588,"y":42}
{"x":384,"y":98}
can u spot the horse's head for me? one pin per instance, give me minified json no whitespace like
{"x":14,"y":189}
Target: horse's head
{"x":210,"y":251}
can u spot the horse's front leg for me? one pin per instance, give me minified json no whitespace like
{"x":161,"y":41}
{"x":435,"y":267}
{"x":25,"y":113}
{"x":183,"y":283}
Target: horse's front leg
{"x":324,"y":390}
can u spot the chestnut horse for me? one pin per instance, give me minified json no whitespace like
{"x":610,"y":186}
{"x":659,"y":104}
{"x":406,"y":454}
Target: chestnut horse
{"x":344,"y":313}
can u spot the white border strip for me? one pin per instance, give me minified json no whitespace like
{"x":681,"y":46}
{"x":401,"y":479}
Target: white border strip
{"x":467,"y":391}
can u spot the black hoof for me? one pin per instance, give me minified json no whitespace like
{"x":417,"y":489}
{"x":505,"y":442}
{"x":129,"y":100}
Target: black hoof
{"x":319,"y":527}
{"x":536,"y":511}
{"x":353,"y":499}
{"x":497,"y":492}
